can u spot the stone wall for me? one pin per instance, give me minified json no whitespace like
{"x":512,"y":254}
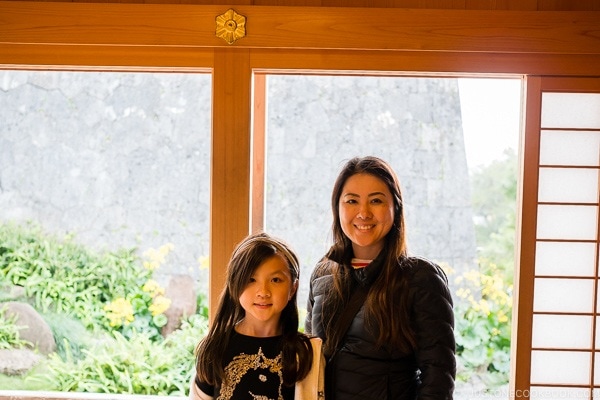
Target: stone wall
{"x":317,"y":123}
{"x":122,"y":159}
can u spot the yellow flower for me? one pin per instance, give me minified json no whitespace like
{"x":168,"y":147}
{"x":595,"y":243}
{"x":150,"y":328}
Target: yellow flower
{"x":150,"y":265}
{"x":159,"y":305}
{"x":463,"y":293}
{"x":484,"y":307}
{"x":157,"y":257}
{"x":502,"y":317}
{"x":473,"y":276}
{"x":119,"y":312}
{"x":204,"y":262}
{"x":152,"y":287}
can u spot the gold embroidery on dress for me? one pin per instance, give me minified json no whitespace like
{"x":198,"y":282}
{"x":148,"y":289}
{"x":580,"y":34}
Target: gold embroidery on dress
{"x":241,"y":364}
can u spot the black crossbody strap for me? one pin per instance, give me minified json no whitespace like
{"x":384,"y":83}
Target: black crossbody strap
{"x":347,"y":315}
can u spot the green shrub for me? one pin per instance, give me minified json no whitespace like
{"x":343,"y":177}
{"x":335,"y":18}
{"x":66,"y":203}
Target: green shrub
{"x":483,"y":331}
{"x":110,"y":290}
{"x":137,"y":365}
{"x":105,"y":312}
{"x":483,"y":307}
{"x":60,"y":276}
{"x":70,"y":335}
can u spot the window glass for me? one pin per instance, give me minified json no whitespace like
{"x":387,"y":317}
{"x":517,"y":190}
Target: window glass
{"x":453,"y":144}
{"x":316,"y":123}
{"x":117,"y":160}
{"x":104,"y":229}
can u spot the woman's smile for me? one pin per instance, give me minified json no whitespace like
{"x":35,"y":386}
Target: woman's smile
{"x":366,"y":210}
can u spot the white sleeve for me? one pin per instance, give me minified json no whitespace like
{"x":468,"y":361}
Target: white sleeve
{"x":312,"y":387}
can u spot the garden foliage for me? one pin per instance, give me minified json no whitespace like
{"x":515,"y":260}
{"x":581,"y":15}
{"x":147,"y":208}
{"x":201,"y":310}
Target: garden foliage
{"x":105,"y":311}
{"x":484,"y":299}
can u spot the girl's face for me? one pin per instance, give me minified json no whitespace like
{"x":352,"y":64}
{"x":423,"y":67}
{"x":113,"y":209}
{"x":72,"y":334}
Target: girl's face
{"x":265,"y":296}
{"x":366,"y":212}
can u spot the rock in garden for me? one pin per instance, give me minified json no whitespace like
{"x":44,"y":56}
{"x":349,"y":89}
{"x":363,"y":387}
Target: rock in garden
{"x":182,"y":294}
{"x":17,"y":361}
{"x":33,"y":328}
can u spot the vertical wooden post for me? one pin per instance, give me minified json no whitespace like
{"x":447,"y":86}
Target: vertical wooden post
{"x":230,"y":170}
{"x":257,"y":200}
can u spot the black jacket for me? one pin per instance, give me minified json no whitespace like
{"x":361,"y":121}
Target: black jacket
{"x":362,"y":370}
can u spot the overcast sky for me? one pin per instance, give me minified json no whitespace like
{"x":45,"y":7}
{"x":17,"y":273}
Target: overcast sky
{"x":491,"y":116}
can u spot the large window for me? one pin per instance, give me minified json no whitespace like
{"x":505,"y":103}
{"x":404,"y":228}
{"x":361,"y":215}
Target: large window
{"x":104,"y":226}
{"x":454,"y":145}
{"x":116,"y":160}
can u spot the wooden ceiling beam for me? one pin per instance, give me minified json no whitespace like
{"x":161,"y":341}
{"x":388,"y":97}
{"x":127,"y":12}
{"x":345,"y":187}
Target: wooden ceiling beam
{"x":269,"y":27}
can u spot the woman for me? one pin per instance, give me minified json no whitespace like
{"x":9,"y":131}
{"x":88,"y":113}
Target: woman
{"x":398,"y":341}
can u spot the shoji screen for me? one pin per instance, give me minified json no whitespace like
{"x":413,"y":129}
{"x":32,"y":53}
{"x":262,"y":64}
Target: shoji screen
{"x":564,"y":321}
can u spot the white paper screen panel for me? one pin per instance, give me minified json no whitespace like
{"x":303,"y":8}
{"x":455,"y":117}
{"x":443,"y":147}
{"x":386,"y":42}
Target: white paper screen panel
{"x":555,"y":393}
{"x":597,"y":338}
{"x":565,"y":333}
{"x":565,"y":259}
{"x":563,"y":295}
{"x":568,"y":185}
{"x":576,"y":148}
{"x":567,"y":222}
{"x":597,"y":374}
{"x":571,"y":110}
{"x":560,"y":367}
{"x":562,"y":331}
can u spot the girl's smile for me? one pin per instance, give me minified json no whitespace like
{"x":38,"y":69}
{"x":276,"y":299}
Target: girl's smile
{"x":265,"y":296}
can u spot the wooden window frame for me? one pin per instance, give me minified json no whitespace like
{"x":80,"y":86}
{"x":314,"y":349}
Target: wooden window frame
{"x":326,"y":40}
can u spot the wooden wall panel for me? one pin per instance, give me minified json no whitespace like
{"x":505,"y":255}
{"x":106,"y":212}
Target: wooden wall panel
{"x":514,"y":5}
{"x":443,"y":63}
{"x":303,"y":28}
{"x":568,"y":5}
{"x":524,"y":5}
{"x":117,"y":58}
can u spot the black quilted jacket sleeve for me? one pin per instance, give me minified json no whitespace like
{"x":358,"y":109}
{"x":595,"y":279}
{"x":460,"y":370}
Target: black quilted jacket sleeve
{"x":433,"y":316}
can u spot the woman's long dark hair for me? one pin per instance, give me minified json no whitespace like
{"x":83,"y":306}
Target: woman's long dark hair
{"x":386,"y":304}
{"x":246,"y":258}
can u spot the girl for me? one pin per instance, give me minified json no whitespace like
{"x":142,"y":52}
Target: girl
{"x":253,"y":349}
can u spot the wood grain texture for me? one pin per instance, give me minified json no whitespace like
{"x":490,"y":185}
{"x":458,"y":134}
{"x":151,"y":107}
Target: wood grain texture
{"x":258,"y":148}
{"x":568,"y":5}
{"x":303,"y":28}
{"x":522,"y":323}
{"x":115,"y":58}
{"x":424,"y":63}
{"x":230,"y":162}
{"x":520,"y":5}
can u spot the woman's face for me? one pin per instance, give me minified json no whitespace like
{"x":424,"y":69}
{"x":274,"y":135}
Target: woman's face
{"x":366,"y":212}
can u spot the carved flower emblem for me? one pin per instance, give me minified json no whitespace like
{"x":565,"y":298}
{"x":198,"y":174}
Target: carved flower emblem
{"x":231,"y":26}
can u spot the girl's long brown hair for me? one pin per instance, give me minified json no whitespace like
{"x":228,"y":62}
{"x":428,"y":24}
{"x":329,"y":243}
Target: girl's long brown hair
{"x":246,"y":258}
{"x":386,"y":304}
